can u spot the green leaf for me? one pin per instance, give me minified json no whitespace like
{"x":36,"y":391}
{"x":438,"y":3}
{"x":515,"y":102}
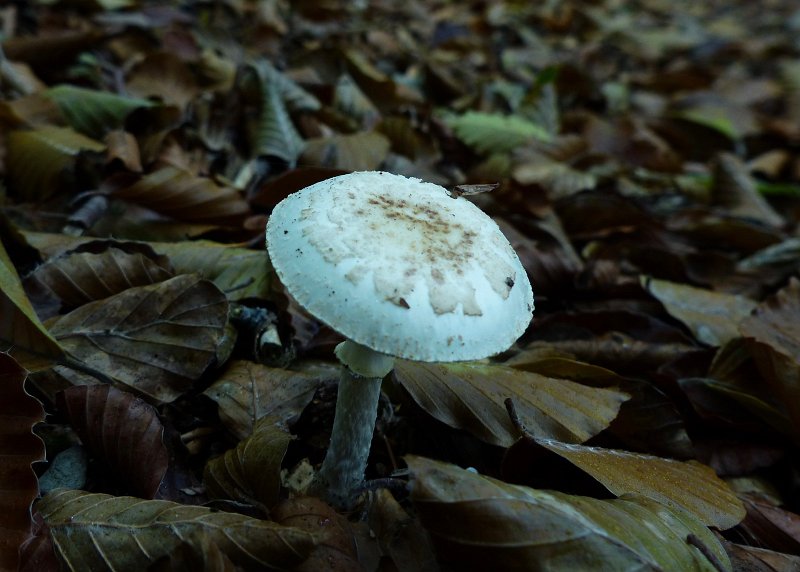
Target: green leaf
{"x":93,"y":112}
{"x":21,"y":333}
{"x":493,"y":133}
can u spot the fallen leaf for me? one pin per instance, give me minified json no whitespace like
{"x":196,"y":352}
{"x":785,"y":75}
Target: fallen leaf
{"x":401,"y":536}
{"x":713,"y":317}
{"x":492,"y":133}
{"x":100,"y":532}
{"x":775,"y":327}
{"x":363,"y":151}
{"x":37,"y":159}
{"x":247,"y":392}
{"x":183,"y":196}
{"x":78,"y":278}
{"x":480,"y":523}
{"x":471,"y":396}
{"x":336,"y":548}
{"x":22,"y":335}
{"x":119,"y":430}
{"x":154,"y":339}
{"x":94,"y":112}
{"x":251,"y":472}
{"x":690,"y":485}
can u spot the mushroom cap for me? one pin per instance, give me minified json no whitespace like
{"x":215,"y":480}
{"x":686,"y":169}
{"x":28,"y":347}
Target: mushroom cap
{"x":398,"y":265}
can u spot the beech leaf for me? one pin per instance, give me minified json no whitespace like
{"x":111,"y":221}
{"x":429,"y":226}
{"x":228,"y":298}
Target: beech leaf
{"x":119,"y":430}
{"x":492,"y":133}
{"x":336,"y":547}
{"x":362,"y":151}
{"x":37,"y":159}
{"x":247,"y":392}
{"x":713,"y":317}
{"x":480,"y":523}
{"x":690,"y":485}
{"x":251,"y":472}
{"x":21,"y":333}
{"x":471,"y":396}
{"x":77,"y":278}
{"x":103,"y":532}
{"x":186,"y":197}
{"x":156,"y":339}
{"x":775,"y":329}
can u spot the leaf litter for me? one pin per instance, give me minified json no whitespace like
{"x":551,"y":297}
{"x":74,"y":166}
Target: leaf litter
{"x":648,"y":176}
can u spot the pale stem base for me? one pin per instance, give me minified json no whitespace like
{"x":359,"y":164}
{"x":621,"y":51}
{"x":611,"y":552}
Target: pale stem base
{"x":342,"y":472}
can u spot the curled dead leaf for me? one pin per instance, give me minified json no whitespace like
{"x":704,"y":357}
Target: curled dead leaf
{"x":119,"y":430}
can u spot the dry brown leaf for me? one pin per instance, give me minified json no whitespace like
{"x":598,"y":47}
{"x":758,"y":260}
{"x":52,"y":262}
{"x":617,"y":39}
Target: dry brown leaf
{"x":247,"y":391}
{"x":22,"y":335}
{"x":19,"y":448}
{"x":471,"y":396}
{"x":119,"y":430}
{"x":736,"y":190}
{"x":239,"y":272}
{"x":400,"y":536}
{"x":752,"y":559}
{"x":713,"y":317}
{"x":336,"y":547}
{"x":770,"y":526}
{"x":154,"y":339}
{"x":480,"y":523}
{"x":689,"y":485}
{"x":250,"y":473}
{"x":363,"y":151}
{"x":102,"y":532}
{"x":77,"y":278}
{"x":183,"y":196}
{"x":163,"y":75}
{"x":775,"y":327}
{"x":122,"y":147}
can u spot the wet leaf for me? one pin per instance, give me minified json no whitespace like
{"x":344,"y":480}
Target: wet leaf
{"x":251,"y":472}
{"x":154,"y":339}
{"x":247,"y":392}
{"x":19,"y":448}
{"x":119,"y":430}
{"x":471,"y":397}
{"x":480,"y":523}
{"x":99,"y":532}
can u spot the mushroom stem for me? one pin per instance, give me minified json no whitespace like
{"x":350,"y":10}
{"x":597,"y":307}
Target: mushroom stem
{"x":342,"y":471}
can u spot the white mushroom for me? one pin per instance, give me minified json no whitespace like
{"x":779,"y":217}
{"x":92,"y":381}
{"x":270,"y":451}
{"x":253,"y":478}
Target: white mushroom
{"x":401,"y":269}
